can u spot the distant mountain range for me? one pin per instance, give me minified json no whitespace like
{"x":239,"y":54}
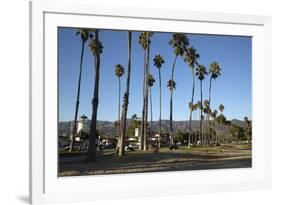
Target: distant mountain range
{"x":107,"y":128}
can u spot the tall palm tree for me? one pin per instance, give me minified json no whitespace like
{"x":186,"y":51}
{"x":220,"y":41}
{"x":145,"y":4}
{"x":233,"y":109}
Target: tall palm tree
{"x":147,"y":67}
{"x":96,"y":48}
{"x":191,"y":58}
{"x":126,"y":98}
{"x":119,"y":71}
{"x":84,"y":34}
{"x":158,"y":61}
{"x":201,"y":73}
{"x":171,"y":85}
{"x":150,"y":81}
{"x":215,"y":72}
{"x":179,"y":42}
{"x":144,"y":41}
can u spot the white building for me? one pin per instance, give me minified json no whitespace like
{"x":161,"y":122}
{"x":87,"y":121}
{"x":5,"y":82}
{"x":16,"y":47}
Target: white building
{"x":82,"y":124}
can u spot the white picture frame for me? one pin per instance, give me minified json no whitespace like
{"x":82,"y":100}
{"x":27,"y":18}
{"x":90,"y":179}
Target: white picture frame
{"x":46,"y":187}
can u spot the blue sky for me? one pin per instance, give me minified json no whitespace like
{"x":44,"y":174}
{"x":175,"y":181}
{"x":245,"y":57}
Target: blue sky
{"x":232,"y":88}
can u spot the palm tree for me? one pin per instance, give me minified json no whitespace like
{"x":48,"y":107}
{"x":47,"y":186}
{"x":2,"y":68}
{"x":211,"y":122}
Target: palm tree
{"x":147,"y":68}
{"x":144,"y":41}
{"x":215,"y":72}
{"x":119,"y":71}
{"x":158,"y":61}
{"x":200,"y":73}
{"x":171,"y":85}
{"x":84,"y":35}
{"x":179,"y":42}
{"x":221,"y":108}
{"x":96,"y":48}
{"x":191,"y":57}
{"x":126,"y":98}
{"x":150,"y":81}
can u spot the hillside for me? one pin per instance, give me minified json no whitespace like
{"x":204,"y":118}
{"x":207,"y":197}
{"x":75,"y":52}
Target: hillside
{"x":107,"y":128}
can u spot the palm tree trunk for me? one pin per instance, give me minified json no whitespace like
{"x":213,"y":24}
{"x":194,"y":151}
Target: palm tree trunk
{"x":91,"y":155}
{"x":160,"y":109}
{"x":190,"y":114}
{"x":146,"y":99}
{"x":143,"y":105}
{"x":151,"y":117}
{"x":216,"y":131}
{"x":126,"y":98}
{"x":171,"y":104}
{"x":171,"y":119}
{"x":119,"y":126}
{"x":209,"y":129}
{"x":201,"y":113}
{"x":193,"y":136}
{"x":77,"y":99}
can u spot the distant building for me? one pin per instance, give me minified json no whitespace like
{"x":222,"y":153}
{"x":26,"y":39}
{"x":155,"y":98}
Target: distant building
{"x":137,"y":131}
{"x":82,"y":123}
{"x":165,"y":138}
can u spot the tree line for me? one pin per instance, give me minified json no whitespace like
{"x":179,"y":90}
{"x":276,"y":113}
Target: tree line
{"x":181,"y":49}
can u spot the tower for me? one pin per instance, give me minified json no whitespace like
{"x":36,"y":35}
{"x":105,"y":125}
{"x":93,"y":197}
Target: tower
{"x":82,"y":123}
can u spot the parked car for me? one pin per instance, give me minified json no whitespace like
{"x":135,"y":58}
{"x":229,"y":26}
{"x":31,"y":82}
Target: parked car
{"x":109,"y":146}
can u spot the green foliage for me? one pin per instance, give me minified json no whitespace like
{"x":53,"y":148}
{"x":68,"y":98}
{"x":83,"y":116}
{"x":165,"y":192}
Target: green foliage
{"x":236,"y":132}
{"x":214,"y":114}
{"x":221,"y":119}
{"x":158,"y":61}
{"x":134,"y":123}
{"x":221,"y":108}
{"x":171,"y":84}
{"x":179,"y":42}
{"x":95,"y":46}
{"x":215,"y":70}
{"x":247,"y":127}
{"x":190,"y":57}
{"x":199,"y":105}
{"x":119,"y":70}
{"x":207,"y":109}
{"x":180,"y":136}
{"x":144,"y":39}
{"x":201,"y":72}
{"x":85,"y":34}
{"x":150,"y":80}
{"x":193,"y":107}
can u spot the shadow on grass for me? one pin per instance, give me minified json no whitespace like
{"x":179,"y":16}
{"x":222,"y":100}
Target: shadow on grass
{"x":108,"y":162}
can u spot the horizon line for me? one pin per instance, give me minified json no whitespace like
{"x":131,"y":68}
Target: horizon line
{"x":153,"y":120}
